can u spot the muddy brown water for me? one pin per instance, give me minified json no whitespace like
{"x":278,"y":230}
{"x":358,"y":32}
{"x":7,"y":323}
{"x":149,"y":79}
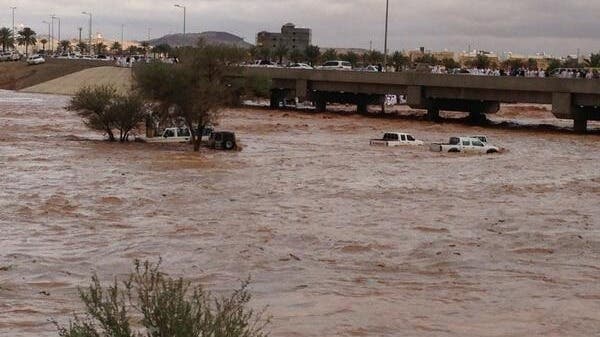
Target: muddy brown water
{"x":340,"y":238}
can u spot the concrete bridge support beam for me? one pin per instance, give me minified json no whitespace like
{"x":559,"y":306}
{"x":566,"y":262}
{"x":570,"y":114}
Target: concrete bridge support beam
{"x":433,"y":113}
{"x":320,"y":100}
{"x":563,"y":107}
{"x":580,"y":124}
{"x":277,"y":97}
{"x":362,"y":107}
{"x":362,"y":104}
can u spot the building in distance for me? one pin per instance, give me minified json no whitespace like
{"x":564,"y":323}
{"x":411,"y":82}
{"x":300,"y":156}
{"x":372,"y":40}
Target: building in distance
{"x":290,"y":37}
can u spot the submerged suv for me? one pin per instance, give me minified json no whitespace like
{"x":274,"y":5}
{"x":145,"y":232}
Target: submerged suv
{"x":223,"y":140}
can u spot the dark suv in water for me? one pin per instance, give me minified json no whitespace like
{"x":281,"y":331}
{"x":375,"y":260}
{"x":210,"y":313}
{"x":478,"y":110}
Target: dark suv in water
{"x":223,"y":140}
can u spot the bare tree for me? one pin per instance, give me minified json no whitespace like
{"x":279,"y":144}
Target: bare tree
{"x":195,"y":89}
{"x":103,"y":109}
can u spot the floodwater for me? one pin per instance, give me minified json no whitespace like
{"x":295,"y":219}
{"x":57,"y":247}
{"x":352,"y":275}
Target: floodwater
{"x":340,"y":239}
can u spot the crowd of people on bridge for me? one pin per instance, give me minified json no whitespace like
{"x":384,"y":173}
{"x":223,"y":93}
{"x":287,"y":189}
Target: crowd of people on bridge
{"x":523,"y":72}
{"x":519,"y":72}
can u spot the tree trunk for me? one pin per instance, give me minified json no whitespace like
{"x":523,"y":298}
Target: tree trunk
{"x":197,"y":144}
{"x":111,"y":136}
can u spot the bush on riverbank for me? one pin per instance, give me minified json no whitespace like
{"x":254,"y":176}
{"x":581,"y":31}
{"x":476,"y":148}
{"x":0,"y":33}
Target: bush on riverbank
{"x":102,"y":109}
{"x":164,"y":307}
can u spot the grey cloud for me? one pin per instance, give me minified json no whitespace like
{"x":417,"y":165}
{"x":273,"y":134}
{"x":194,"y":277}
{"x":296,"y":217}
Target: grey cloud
{"x":553,"y":26}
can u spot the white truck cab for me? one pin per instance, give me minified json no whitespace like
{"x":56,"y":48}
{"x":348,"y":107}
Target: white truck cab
{"x":172,"y":135}
{"x":396,"y":139}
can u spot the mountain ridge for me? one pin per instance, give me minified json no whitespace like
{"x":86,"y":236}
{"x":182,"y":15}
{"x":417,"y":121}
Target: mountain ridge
{"x":191,"y":39}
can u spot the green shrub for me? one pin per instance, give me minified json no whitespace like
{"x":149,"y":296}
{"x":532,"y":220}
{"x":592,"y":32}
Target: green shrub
{"x":163,"y":307}
{"x":103,"y":109}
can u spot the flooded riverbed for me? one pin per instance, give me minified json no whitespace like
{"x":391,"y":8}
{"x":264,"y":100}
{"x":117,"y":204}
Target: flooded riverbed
{"x":340,"y":238}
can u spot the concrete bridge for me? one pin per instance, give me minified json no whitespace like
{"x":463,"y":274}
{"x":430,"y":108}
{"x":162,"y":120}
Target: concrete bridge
{"x":576,"y":99}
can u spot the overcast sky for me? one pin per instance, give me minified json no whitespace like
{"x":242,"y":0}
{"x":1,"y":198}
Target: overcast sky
{"x":558,"y":27}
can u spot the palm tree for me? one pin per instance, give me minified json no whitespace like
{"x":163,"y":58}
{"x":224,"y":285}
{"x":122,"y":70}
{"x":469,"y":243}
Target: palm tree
{"x":116,"y":47}
{"x":26,"y":37}
{"x":43,"y":42}
{"x":82,"y":46}
{"x":264,"y":53}
{"x":6,"y":38}
{"x":593,"y":61}
{"x":65,"y":45}
{"x":281,"y":51}
{"x":373,"y":57}
{"x":100,"y":48}
{"x":350,"y":56}
{"x":312,"y":54}
{"x":146,"y":46}
{"x":329,"y":55}
{"x":296,"y":56}
{"x":132,"y":50}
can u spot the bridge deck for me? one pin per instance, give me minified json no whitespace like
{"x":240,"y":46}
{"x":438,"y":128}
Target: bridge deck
{"x":577,"y":99}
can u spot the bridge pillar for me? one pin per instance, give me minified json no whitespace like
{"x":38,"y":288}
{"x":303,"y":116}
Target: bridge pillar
{"x":433,"y":114}
{"x":277,"y":96}
{"x":362,"y":104}
{"x":361,"y":107}
{"x":301,"y":89}
{"x":580,"y":123}
{"x":320,"y":100}
{"x":433,"y":110}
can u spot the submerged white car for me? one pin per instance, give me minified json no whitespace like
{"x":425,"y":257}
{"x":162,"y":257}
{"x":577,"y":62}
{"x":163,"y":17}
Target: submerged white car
{"x":35,"y":59}
{"x":392,"y":139}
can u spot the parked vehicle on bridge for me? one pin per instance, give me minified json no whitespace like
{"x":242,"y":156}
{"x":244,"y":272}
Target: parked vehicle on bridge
{"x":10,"y":56}
{"x":300,"y":66}
{"x":464,"y":144}
{"x":336,"y":65}
{"x":223,"y":140}
{"x":35,"y":59}
{"x":264,"y":64}
{"x":103,"y":58}
{"x":371,"y":68}
{"x":392,"y":139}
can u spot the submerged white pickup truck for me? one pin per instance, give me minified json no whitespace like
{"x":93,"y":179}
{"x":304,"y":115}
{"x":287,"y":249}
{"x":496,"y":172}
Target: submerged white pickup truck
{"x":179,"y":135}
{"x":396,"y":139}
{"x":464,"y":144}
{"x":172,"y":135}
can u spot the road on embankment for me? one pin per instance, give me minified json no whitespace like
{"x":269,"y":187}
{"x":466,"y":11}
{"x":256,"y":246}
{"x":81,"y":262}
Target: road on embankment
{"x":19,"y":75}
{"x":120,"y":78}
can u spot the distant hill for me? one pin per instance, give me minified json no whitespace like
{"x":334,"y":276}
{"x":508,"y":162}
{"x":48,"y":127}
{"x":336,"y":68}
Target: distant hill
{"x":191,"y":39}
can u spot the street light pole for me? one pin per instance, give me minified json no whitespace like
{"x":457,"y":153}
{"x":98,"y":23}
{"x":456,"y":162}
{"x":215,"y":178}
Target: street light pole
{"x":52,"y":38}
{"x":90,"y":29}
{"x":54,"y":17}
{"x":385,"y":48}
{"x":13,"y":23}
{"x":184,"y":15}
{"x":122,"y":34}
{"x":48,"y":23}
